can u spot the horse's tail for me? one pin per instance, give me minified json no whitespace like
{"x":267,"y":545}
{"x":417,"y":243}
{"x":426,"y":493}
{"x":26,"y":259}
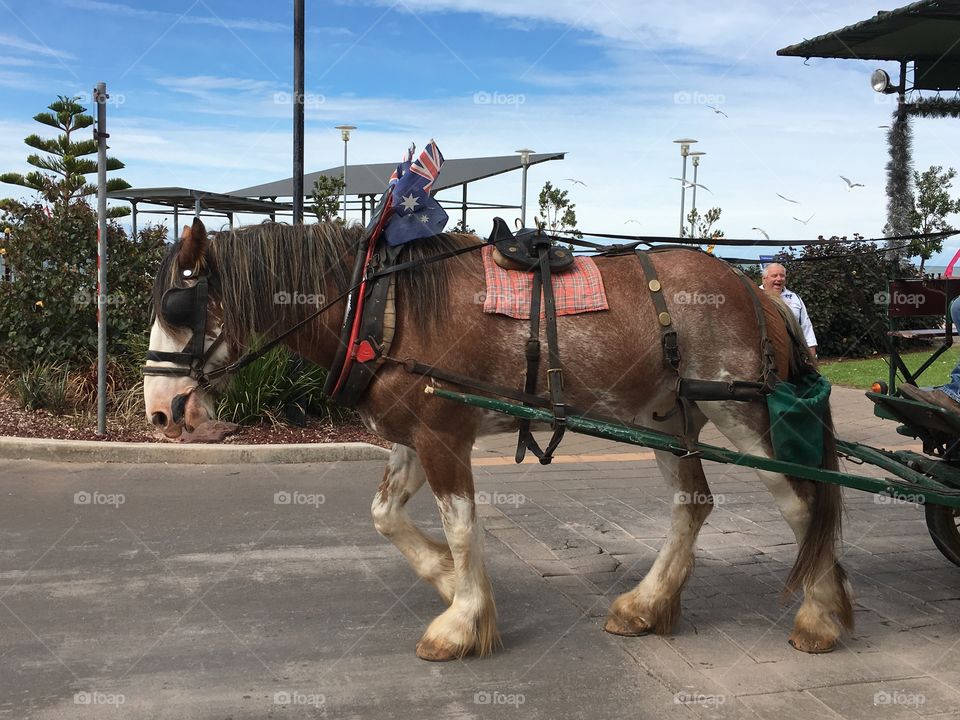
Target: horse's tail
{"x":816,"y":557}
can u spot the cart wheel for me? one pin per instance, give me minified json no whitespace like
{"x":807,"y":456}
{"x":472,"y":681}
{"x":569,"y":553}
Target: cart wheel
{"x":943,"y":524}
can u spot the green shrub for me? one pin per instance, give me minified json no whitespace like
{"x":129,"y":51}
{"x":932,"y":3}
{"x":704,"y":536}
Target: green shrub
{"x":43,"y":386}
{"x":49,"y":311}
{"x":263,"y":389}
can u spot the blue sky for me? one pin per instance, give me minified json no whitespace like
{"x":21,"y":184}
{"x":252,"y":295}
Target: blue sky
{"x":200,"y":95}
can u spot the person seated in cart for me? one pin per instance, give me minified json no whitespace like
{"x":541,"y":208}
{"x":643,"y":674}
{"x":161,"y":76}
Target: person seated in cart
{"x":775,"y":282}
{"x":945,"y":396}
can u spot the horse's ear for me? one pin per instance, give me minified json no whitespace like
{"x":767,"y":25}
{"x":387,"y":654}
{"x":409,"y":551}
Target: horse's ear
{"x":193,"y":246}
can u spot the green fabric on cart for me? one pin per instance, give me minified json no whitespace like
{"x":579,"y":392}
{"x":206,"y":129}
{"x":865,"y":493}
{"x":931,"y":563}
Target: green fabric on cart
{"x":796,"y":418}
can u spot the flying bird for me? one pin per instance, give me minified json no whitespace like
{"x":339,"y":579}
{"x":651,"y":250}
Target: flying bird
{"x":631,"y":221}
{"x":576,"y":182}
{"x":762,"y":232}
{"x":718,"y":111}
{"x":850,"y":184}
{"x":784,"y":197}
{"x":688,"y":184}
{"x":803,"y":221}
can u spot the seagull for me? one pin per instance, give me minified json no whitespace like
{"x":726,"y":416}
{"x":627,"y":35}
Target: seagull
{"x":850,"y":184}
{"x":803,"y":221}
{"x":631,"y":221}
{"x":688,"y":184}
{"x":795,"y":202}
{"x":718,"y":111}
{"x":762,"y":232}
{"x":576,"y":182}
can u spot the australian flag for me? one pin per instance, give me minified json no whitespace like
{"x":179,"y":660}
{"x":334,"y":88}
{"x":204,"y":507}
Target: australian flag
{"x":415,"y":213}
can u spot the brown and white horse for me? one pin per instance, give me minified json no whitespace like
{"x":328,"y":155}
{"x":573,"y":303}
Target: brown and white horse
{"x":613,"y":366}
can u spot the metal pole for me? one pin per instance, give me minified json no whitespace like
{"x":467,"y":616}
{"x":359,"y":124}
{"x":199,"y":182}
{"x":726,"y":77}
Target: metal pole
{"x":133,"y":220}
{"x":298,"y":91}
{"x":525,"y":164}
{"x":100,"y":134}
{"x":693,"y":201}
{"x":346,"y":139}
{"x":176,"y":222}
{"x":683,"y":190}
{"x":463,"y":210}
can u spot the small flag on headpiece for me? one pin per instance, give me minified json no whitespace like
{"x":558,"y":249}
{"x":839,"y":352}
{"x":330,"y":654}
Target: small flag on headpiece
{"x":415,"y":213}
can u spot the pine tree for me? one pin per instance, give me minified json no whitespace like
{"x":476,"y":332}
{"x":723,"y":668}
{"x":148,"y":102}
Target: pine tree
{"x":61,"y":175}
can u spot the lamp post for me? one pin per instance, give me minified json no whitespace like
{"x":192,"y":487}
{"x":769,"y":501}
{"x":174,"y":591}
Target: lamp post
{"x":525,"y":164}
{"x":696,"y":164}
{"x":345,"y":134}
{"x":684,"y":144}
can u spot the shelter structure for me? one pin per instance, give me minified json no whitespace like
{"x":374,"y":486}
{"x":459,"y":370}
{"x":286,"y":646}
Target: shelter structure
{"x":924,"y":38}
{"x":197,"y":201}
{"x":366,"y":182}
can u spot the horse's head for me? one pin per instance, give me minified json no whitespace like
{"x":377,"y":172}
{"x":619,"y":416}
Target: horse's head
{"x":186,"y":340}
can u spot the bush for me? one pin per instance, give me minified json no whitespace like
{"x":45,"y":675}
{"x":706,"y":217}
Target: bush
{"x":49,"y":311}
{"x":844,"y":286}
{"x":43,"y":386}
{"x":263,"y":389}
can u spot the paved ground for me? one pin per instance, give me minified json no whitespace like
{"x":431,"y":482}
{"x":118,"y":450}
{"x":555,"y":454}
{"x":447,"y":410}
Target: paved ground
{"x":155,"y":591}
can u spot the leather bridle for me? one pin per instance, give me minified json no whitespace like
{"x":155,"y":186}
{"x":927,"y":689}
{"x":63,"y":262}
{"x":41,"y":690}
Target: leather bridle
{"x":186,"y":308}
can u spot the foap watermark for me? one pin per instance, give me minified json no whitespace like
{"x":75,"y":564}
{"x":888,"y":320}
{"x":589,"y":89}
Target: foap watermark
{"x":899,"y":697}
{"x":688,"y":97}
{"x":896,"y":497}
{"x":82,"y":297}
{"x":113,"y":98}
{"x":310,"y":100}
{"x":483,"y":497}
{"x":298,"y":298}
{"x":495,"y":697}
{"x":692,"y":697}
{"x":483,"y":97}
{"x":898,"y":299}
{"x":83,"y":497}
{"x":94,"y":697}
{"x":699,"y":298}
{"x":295,"y":497}
{"x":697,"y":498}
{"x":295,"y":697}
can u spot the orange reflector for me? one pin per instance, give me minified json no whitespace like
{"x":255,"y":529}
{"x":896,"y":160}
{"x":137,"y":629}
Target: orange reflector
{"x":876,"y":387}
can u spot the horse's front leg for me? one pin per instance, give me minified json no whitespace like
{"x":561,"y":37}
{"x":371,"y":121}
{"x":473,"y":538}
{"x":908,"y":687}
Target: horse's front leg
{"x":429,"y":558}
{"x":469,"y":625}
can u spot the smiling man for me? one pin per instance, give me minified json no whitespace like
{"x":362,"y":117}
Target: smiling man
{"x":775,"y":282}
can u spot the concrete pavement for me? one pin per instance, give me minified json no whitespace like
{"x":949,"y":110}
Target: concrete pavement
{"x":263,"y":591}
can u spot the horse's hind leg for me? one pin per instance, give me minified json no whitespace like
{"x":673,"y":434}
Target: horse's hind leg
{"x":813,"y":511}
{"x":469,"y":625}
{"x":429,"y":558}
{"x":654,"y":605}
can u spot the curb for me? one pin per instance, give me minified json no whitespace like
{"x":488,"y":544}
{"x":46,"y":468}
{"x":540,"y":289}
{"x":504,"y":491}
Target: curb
{"x":98,"y":451}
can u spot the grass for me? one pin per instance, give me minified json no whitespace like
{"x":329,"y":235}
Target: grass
{"x":861,"y":374}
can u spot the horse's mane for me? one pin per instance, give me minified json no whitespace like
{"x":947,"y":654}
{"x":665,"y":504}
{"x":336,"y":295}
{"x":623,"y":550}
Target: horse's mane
{"x":252,"y":267}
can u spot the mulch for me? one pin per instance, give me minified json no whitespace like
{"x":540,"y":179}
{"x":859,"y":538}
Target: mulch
{"x":42,"y":424}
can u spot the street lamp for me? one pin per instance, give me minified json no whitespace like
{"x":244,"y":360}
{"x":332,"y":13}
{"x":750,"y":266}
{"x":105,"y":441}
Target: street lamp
{"x":684,"y":144}
{"x":696,"y":163}
{"x":525,"y":163}
{"x":345,"y":134}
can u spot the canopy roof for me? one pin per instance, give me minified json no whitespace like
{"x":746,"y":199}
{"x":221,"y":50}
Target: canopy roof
{"x":372,"y":179}
{"x":925,"y":30}
{"x":187,"y":198}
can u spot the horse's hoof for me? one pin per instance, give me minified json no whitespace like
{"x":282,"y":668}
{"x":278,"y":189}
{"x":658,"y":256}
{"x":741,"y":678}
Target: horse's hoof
{"x":807,"y":643}
{"x":627,"y":627}
{"x":437,"y":651}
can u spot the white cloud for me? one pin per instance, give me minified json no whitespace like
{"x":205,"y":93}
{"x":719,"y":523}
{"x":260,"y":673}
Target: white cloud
{"x":17,"y":43}
{"x":213,"y":19}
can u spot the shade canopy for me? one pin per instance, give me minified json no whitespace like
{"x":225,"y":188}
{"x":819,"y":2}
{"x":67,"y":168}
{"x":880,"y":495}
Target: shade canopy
{"x":372,"y":179}
{"x":188,"y":197}
{"x":928,"y":30}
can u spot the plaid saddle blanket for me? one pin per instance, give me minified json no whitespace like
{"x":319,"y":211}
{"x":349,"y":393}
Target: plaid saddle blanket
{"x":577,"y":290}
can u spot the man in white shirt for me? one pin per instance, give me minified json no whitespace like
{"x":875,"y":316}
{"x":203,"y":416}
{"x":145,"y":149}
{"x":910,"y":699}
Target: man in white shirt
{"x":775,"y":283}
